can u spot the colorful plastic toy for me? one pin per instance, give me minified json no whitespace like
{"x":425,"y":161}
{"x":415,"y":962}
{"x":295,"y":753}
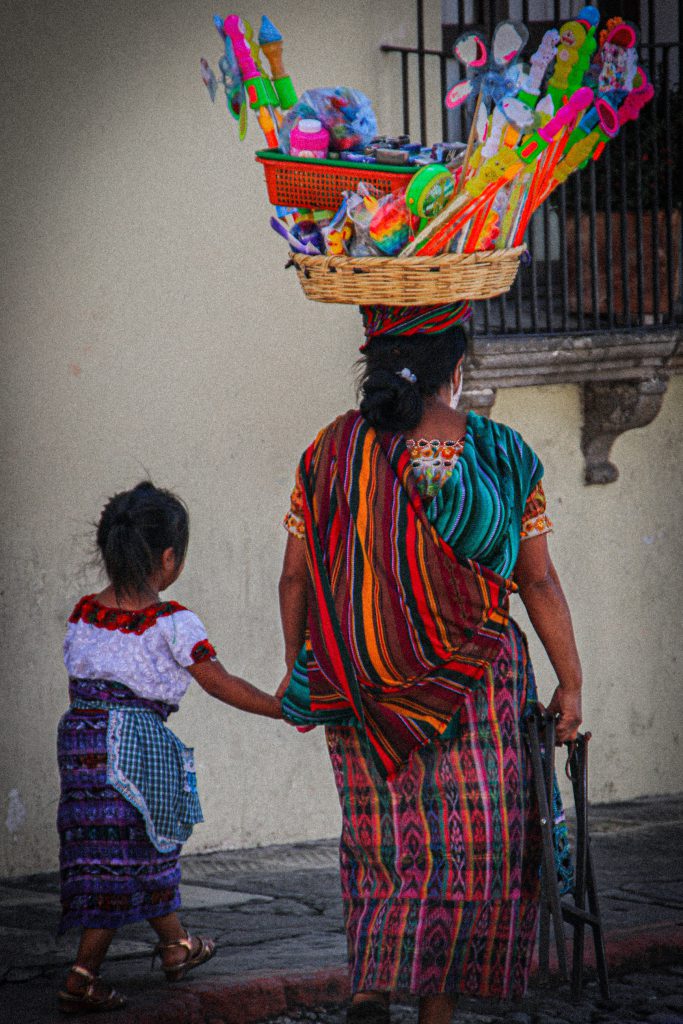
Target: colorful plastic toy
{"x":429,"y":191}
{"x":270,"y":41}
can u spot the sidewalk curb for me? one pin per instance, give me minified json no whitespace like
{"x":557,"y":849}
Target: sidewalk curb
{"x":257,"y":999}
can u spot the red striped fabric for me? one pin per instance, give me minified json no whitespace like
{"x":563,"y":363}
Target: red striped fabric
{"x":400,"y":629}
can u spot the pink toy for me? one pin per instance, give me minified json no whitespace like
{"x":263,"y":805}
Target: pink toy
{"x":235,"y":29}
{"x":636,"y":99}
{"x":567,"y":114}
{"x":309,"y":138}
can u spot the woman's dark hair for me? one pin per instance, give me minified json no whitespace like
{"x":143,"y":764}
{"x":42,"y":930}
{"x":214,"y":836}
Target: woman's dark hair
{"x":134,"y":530}
{"x":390,"y":399}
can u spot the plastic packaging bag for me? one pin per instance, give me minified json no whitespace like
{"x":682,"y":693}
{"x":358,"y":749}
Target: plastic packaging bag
{"x":392,"y":224}
{"x":347,"y":115}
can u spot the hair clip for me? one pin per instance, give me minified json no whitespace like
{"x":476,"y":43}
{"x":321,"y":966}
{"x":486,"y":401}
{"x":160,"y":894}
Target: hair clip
{"x":407,"y":375}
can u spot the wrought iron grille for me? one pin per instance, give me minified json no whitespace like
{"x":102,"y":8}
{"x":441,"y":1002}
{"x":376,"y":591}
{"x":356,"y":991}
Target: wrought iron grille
{"x":607,"y":248}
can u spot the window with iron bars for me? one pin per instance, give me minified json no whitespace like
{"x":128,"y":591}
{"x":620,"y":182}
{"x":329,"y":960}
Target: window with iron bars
{"x":608,"y":247}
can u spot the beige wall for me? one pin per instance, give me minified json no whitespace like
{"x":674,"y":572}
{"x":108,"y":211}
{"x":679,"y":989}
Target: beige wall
{"x":149,"y":327}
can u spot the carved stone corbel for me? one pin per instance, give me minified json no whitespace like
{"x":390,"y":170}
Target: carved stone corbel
{"x":609,"y":409}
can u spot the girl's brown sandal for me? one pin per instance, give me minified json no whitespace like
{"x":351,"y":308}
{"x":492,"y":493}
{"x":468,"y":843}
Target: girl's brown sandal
{"x":194,"y":958}
{"x":89,"y":1000}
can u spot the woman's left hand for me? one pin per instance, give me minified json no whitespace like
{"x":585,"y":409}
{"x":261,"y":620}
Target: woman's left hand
{"x":566,"y":704}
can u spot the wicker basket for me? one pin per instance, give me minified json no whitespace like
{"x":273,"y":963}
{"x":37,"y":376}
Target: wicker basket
{"x":418,"y":281}
{"x":319,"y":184}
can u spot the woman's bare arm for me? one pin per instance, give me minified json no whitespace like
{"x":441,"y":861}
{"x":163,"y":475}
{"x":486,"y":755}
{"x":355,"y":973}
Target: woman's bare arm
{"x":543,"y":597}
{"x":293,"y":603}
{"x":233,"y":690}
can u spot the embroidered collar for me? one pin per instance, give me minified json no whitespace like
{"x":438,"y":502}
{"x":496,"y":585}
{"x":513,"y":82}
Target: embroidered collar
{"x":91,"y":611}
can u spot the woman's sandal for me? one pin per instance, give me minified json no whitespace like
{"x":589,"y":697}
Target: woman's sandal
{"x":88,"y":1001}
{"x":194,"y":958}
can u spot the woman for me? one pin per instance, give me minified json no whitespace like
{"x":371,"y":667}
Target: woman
{"x":411,"y":523}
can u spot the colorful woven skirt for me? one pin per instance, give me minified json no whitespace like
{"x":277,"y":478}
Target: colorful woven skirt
{"x":110,"y":872}
{"x":440,"y":864}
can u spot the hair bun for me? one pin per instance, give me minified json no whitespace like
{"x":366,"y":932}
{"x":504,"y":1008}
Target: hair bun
{"x":391,"y":401}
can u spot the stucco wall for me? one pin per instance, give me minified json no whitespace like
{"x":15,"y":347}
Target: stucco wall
{"x":148,"y":327}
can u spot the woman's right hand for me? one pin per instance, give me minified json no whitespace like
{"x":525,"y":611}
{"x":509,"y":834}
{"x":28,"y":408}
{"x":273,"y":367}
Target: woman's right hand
{"x":567,"y":705}
{"x":280,"y":692}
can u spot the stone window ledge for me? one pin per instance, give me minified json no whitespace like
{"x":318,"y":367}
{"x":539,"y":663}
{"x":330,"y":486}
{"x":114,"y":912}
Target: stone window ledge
{"x":623,"y":378}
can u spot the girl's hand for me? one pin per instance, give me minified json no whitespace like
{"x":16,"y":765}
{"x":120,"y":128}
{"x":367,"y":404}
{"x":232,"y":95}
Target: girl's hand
{"x":280,"y":692}
{"x":567,"y":704}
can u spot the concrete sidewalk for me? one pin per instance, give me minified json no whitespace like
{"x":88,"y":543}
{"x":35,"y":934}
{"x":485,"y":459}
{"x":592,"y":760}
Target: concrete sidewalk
{"x":276,"y":914}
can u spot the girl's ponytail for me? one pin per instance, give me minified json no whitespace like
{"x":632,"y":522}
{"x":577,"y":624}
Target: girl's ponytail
{"x":134,"y":530}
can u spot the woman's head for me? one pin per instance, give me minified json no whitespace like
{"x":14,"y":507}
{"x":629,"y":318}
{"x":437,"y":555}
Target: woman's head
{"x":410,"y":355}
{"x":399,"y":373}
{"x":142,"y":533}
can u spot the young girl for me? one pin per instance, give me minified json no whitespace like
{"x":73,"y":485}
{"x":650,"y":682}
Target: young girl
{"x":128,"y":792}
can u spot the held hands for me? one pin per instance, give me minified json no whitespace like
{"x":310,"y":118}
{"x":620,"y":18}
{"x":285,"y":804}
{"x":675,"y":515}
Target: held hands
{"x":566,"y":704}
{"x":280,"y":692}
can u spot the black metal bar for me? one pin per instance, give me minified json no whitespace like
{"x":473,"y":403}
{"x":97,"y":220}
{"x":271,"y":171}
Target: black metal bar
{"x":557,"y":11}
{"x":491,"y":18}
{"x":487,"y":316}
{"x":502,"y":314}
{"x":608,"y":253}
{"x":669,"y":157}
{"x":534,"y":284}
{"x":518,"y":302}
{"x":623,"y":224}
{"x":578,"y":228}
{"x":405,"y":91}
{"x":443,"y":82}
{"x":594,"y":263}
{"x":525,"y":11}
{"x":391,"y":48}
{"x":564,"y":268}
{"x":651,"y":23}
{"x":421,"y":71}
{"x":640,"y":270}
{"x":654,"y":176}
{"x":548,"y":269}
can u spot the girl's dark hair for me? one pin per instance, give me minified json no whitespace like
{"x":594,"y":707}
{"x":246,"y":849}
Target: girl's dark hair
{"x":135,"y":528}
{"x":390,"y":401}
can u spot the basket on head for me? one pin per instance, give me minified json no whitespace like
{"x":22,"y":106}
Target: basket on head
{"x":419,"y":281}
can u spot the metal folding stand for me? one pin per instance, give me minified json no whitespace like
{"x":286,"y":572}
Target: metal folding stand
{"x":553,"y":907}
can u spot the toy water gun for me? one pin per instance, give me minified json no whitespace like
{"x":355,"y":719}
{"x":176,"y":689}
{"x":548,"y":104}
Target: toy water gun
{"x":270,"y":41}
{"x":260,"y":92}
{"x":534,"y":144}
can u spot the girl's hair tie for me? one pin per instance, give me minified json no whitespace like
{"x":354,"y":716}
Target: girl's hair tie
{"x":407,"y":375}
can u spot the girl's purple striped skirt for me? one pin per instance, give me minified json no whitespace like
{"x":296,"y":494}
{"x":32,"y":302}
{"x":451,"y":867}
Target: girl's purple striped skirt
{"x":110,"y":872}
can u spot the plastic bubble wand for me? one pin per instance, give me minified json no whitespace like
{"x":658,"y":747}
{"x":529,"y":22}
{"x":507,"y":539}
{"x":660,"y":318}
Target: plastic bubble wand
{"x":258,"y":87}
{"x":270,"y":41}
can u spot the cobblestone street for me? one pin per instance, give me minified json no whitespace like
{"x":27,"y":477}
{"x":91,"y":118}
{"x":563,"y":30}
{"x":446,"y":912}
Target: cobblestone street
{"x":276,"y":914}
{"x":654,"y":997}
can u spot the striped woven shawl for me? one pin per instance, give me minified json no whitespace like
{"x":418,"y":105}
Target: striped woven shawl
{"x":399,"y":627}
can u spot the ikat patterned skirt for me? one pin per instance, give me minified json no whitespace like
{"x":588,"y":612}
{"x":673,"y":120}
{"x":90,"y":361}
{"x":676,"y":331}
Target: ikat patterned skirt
{"x":110,"y":872}
{"x":440,"y":865}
